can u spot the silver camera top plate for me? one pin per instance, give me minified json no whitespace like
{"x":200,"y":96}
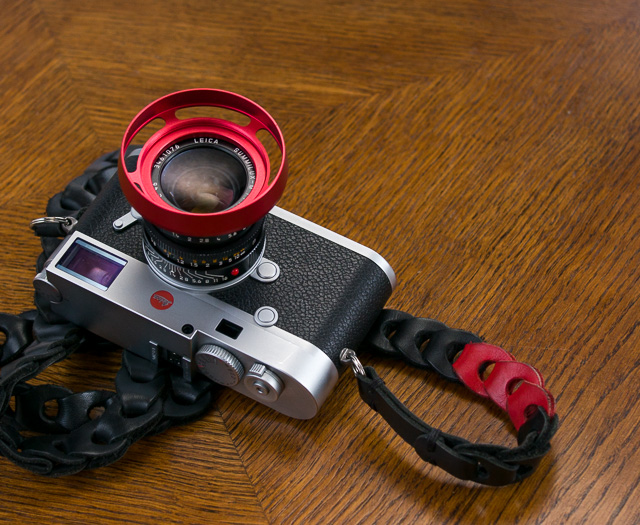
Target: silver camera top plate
{"x":117,"y":297}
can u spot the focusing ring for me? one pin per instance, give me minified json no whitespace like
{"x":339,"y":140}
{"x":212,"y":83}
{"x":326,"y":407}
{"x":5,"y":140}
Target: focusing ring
{"x":217,"y":256}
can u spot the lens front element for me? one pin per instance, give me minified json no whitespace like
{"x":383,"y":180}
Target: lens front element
{"x":203,"y":179}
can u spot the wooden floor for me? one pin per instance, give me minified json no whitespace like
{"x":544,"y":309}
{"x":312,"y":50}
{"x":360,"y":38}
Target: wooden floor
{"x":489,"y":151}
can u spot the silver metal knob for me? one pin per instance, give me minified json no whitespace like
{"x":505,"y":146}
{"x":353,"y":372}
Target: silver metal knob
{"x":266,"y":316}
{"x":46,"y":289}
{"x":219,"y":365}
{"x":263,"y":382}
{"x":266,"y":272}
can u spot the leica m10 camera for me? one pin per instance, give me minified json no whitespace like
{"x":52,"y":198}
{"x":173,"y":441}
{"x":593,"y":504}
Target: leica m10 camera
{"x":183,"y":257}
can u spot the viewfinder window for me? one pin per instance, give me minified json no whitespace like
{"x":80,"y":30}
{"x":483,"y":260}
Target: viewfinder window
{"x":91,"y":264}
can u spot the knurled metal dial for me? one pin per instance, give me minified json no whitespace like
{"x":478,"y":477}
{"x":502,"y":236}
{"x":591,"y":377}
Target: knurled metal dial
{"x":219,"y":365}
{"x":263,"y":382}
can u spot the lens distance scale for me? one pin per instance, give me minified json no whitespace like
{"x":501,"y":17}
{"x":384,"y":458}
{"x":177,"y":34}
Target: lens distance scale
{"x":200,"y":278}
{"x":198,"y":253}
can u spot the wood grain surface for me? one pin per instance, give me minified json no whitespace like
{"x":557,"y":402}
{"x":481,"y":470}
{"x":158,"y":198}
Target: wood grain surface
{"x":488,"y":150}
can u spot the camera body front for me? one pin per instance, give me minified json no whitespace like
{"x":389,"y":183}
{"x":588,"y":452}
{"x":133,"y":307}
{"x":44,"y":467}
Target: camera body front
{"x":275,"y":337}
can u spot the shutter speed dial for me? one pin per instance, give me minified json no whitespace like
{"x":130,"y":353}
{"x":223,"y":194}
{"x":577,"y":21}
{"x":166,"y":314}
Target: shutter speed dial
{"x":219,"y":365}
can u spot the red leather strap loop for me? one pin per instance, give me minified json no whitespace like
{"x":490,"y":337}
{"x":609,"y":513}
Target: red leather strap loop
{"x":526,"y":396}
{"x":498,"y":385}
{"x":473,"y":358}
{"x":505,"y":375}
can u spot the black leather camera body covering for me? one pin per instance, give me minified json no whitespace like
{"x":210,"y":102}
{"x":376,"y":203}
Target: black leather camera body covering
{"x":326,"y":294}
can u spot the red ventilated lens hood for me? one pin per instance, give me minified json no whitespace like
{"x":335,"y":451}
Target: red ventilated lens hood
{"x":137,"y":185}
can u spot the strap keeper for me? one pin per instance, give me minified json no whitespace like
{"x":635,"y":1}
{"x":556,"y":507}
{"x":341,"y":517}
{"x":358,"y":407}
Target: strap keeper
{"x":439,"y":454}
{"x":369,"y":388}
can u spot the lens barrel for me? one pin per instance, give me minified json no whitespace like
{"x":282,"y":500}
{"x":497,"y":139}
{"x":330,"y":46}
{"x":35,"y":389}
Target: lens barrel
{"x":203,"y":187}
{"x":205,"y":252}
{"x":188,"y":275}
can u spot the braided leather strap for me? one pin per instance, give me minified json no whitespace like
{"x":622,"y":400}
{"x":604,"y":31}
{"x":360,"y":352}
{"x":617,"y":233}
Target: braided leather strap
{"x":461,"y":357}
{"x":148,"y":399}
{"x":89,"y":429}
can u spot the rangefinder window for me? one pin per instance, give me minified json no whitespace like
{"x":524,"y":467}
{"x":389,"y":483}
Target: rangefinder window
{"x":91,"y":264}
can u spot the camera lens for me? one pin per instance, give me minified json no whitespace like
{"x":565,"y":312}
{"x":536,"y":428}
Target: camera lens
{"x":203,"y":180}
{"x":203,"y":175}
{"x":203,"y":187}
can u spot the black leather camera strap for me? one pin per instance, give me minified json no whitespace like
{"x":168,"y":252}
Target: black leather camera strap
{"x":50,"y":430}
{"x":53,"y":431}
{"x":460,"y":357}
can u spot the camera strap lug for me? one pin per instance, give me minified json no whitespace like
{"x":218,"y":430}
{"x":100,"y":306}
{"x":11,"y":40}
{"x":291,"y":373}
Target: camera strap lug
{"x":53,"y":226}
{"x":348,"y":356}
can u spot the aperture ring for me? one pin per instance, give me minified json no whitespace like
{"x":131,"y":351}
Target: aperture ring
{"x":203,"y":279}
{"x":204,"y":256}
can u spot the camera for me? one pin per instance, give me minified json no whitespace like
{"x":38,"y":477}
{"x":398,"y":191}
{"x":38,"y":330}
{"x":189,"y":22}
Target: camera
{"x":184,"y":258}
